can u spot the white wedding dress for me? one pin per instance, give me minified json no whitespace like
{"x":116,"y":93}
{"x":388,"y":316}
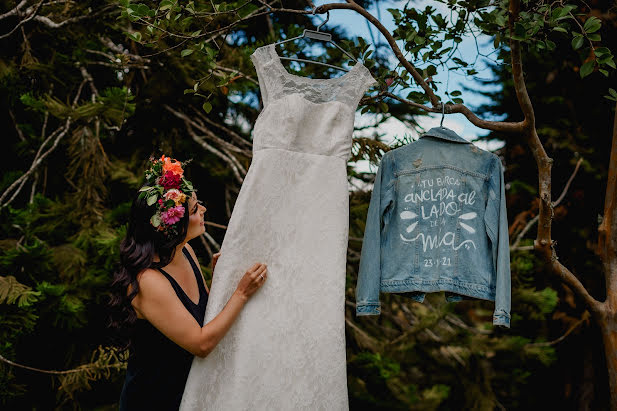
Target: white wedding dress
{"x":286,"y":350}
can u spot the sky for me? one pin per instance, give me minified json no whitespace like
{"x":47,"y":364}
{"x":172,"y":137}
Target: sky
{"x":356,"y":25}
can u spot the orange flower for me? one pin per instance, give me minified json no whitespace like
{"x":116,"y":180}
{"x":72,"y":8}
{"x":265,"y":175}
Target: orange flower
{"x":171,"y":165}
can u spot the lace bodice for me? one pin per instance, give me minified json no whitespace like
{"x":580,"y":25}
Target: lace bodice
{"x":305,"y":114}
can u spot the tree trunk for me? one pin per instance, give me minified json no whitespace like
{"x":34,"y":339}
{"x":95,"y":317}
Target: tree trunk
{"x":607,"y":245}
{"x":608,"y":327}
{"x":586,"y":391}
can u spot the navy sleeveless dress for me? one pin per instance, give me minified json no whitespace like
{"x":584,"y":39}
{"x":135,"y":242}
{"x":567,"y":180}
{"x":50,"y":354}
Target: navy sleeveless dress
{"x":157,"y":367}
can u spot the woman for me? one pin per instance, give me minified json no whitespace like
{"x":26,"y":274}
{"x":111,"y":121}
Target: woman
{"x":161,"y":294}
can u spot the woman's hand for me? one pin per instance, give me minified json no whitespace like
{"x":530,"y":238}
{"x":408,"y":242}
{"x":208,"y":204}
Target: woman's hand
{"x":215,"y":258}
{"x":158,"y":303}
{"x":252,"y":280}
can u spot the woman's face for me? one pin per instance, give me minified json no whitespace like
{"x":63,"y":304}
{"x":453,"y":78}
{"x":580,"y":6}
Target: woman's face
{"x":196,"y":218}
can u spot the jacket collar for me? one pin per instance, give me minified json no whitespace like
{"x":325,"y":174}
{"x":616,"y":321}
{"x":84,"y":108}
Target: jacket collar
{"x":445,"y":134}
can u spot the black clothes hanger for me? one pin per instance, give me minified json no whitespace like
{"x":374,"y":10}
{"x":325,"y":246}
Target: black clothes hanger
{"x":317,"y":35}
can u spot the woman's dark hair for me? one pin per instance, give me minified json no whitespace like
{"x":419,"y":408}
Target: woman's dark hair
{"x":137,"y":250}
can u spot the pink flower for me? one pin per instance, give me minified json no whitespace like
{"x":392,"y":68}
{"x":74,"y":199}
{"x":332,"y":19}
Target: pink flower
{"x":172,"y":215}
{"x":389,"y":81}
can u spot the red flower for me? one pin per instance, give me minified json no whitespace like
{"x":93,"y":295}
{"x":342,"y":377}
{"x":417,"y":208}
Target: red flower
{"x":170,"y":180}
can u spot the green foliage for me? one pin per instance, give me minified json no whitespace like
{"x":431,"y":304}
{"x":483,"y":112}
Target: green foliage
{"x":118,"y":104}
{"x":545,"y":354}
{"x":536,"y":304}
{"x":69,"y":261}
{"x":114,"y":105}
{"x":613,"y":94}
{"x":15,"y":320}
{"x":517,"y":186}
{"x":377,"y":383}
{"x":28,"y":261}
{"x":105,"y":363}
{"x":12,"y":292}
{"x":47,"y":218}
{"x":523,"y":264}
{"x":378,"y":366}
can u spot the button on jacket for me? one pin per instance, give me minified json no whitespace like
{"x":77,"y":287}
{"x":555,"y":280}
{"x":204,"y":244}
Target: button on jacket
{"x":437,"y":222}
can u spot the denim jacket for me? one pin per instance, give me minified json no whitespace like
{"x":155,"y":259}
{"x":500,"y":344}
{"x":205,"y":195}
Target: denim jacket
{"x":437,"y":222}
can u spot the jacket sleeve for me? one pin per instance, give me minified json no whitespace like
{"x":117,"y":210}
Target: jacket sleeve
{"x":369,"y":275}
{"x":496,"y":222}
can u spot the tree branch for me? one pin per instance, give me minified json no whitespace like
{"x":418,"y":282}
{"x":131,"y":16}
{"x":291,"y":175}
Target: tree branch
{"x":33,"y":190}
{"x":232,"y":134}
{"x":230,"y":70}
{"x":567,"y":186}
{"x":543,"y":243}
{"x":543,"y":162}
{"x":212,"y":241}
{"x":224,"y":144}
{"x":224,"y":227}
{"x":515,"y":245}
{"x":14,"y":11}
{"x":233,"y":163}
{"x":90,"y":80}
{"x":118,"y":49}
{"x":20,"y":134}
{"x":46,"y":21}
{"x":502,"y":126}
{"x":574,"y":283}
{"x":202,"y":238}
{"x":38,"y":159}
{"x":521,"y":235}
{"x":32,"y":14}
{"x":17,"y":190}
{"x":607,"y":232}
{"x":351,"y":5}
{"x":25,"y":367}
{"x":584,"y":318}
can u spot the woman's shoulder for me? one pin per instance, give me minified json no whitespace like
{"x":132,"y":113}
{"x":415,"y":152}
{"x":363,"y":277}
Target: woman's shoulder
{"x":150,"y":276}
{"x":152,"y":285}
{"x":153,"y":282}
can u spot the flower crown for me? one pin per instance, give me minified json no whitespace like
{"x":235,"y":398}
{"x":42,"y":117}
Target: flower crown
{"x":167,"y":189}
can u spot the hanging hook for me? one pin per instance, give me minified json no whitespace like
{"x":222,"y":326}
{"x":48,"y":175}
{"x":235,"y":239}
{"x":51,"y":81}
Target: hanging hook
{"x":325,"y":21}
{"x":443,"y":114}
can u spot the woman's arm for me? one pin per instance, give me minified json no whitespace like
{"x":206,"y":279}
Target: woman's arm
{"x":157,"y":302}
